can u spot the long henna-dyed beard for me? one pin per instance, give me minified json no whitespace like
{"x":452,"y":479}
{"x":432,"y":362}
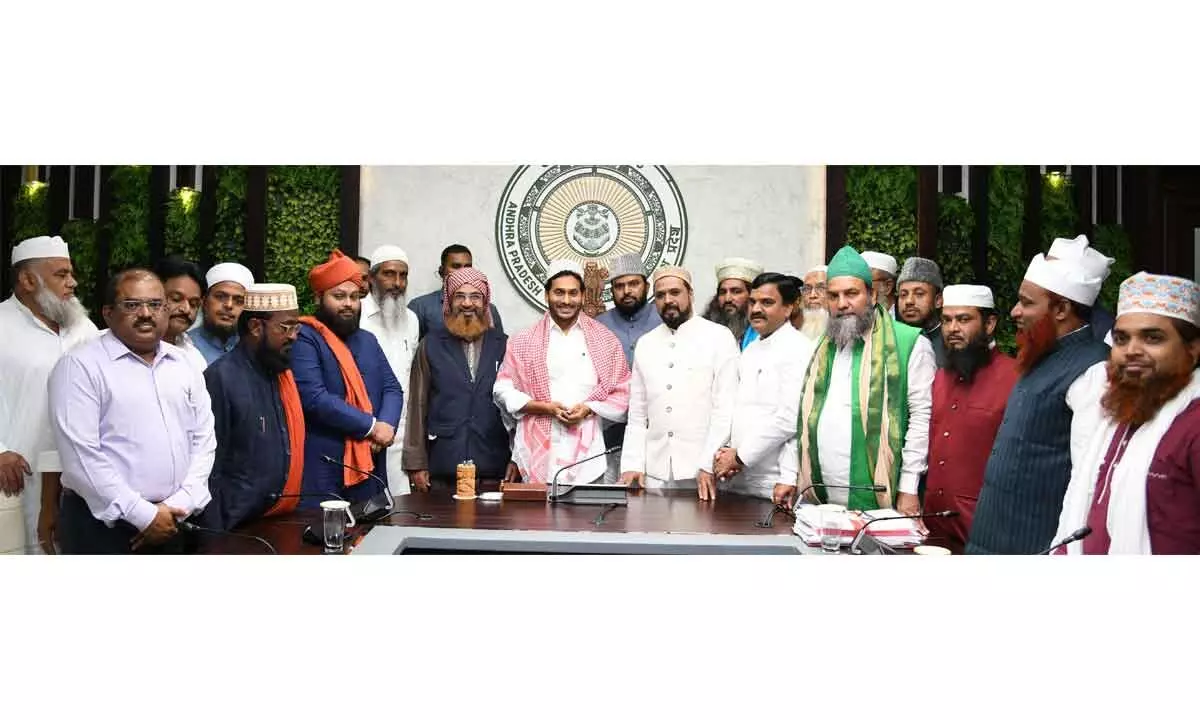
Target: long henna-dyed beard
{"x":1035,"y":343}
{"x":464,"y":327}
{"x":1136,"y":400}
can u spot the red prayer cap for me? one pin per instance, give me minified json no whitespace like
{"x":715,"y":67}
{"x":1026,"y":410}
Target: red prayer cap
{"x":333,"y":272}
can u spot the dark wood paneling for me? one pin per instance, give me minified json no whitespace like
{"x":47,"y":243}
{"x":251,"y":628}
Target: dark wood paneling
{"x":59,"y":197}
{"x":208,"y":215}
{"x":927,"y":211}
{"x":835,"y":209}
{"x":952,"y":179}
{"x":979,"y":178}
{"x":10,"y":185}
{"x":103,"y":240}
{"x":1081,"y":184}
{"x":185,"y":176}
{"x":348,"y":209}
{"x":256,"y":220}
{"x":160,"y":192}
{"x":1106,"y":194}
{"x":1031,"y":237}
{"x":85,"y":192}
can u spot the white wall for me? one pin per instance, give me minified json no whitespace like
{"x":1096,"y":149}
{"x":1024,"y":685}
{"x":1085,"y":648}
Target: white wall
{"x":773,"y":214}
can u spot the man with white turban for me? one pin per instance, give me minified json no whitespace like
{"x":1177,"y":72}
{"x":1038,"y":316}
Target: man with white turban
{"x":385,"y":313}
{"x":884,"y":269}
{"x":223,"y":302}
{"x":40,"y":322}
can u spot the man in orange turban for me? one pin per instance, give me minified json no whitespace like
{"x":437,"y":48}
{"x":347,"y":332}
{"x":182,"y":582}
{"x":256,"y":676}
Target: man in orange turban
{"x":351,"y":398}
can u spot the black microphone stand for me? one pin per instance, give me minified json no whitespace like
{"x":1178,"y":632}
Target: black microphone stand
{"x":589,"y":493}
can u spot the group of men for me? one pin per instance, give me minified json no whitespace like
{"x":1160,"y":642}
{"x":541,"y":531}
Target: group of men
{"x":864,"y":383}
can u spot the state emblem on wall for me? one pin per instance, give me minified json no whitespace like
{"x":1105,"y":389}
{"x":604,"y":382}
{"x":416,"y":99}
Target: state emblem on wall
{"x":589,"y":214}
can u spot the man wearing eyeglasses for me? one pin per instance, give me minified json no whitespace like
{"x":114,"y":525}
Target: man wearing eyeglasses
{"x":451,"y":416}
{"x":257,"y":414}
{"x":813,"y":304}
{"x":134,"y":429}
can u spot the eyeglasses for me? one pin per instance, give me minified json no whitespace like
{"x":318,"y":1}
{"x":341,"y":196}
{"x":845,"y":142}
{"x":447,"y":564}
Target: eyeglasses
{"x":818,"y":288}
{"x":288,"y":327}
{"x":475,"y":298}
{"x":130,"y":307}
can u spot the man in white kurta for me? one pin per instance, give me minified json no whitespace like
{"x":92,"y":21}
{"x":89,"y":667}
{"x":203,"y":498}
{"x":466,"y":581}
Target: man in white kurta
{"x":681,"y":395}
{"x":39,"y":323}
{"x":770,"y":381}
{"x":385,"y":314}
{"x":558,"y":379}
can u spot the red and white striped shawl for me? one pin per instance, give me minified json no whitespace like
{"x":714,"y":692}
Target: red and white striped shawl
{"x":525,"y":366}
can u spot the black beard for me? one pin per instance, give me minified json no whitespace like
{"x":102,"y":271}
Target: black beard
{"x":970,"y":359}
{"x":273,"y":361}
{"x":219,"y":333}
{"x":678,"y":320}
{"x":342,"y":327}
{"x":737,"y":322}
{"x":627,"y":314}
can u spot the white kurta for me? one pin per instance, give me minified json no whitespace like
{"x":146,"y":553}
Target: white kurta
{"x":833,"y":427}
{"x":770,"y":382}
{"x":680,"y":402}
{"x":28,"y":353}
{"x":399,"y":347}
{"x":572,"y":379}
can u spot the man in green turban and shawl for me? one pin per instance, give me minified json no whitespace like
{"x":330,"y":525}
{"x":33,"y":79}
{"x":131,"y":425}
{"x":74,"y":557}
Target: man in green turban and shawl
{"x":864,"y":414}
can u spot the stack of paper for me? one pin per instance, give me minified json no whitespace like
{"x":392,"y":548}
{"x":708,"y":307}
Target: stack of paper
{"x":901,"y":532}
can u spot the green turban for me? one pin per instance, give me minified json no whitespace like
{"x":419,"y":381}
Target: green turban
{"x":848,"y":263}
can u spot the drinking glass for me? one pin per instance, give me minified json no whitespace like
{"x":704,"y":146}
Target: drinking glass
{"x":337,"y":518}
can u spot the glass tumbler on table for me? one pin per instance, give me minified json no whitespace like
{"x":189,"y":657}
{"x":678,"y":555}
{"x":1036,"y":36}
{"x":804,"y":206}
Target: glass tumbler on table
{"x":337,"y":519}
{"x":832,"y":518}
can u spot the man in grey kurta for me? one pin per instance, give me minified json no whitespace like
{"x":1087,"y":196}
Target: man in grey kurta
{"x":632,"y":316}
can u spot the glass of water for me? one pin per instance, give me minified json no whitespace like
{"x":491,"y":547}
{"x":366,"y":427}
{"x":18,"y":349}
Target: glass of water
{"x":832,"y":517}
{"x":337,"y":519}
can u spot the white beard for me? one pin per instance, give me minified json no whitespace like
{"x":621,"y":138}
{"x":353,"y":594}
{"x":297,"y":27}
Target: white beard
{"x":66,"y":313}
{"x":815,"y":322}
{"x":393,"y":313}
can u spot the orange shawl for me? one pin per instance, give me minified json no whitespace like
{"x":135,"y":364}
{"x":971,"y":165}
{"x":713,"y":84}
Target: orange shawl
{"x":358,"y":452}
{"x":293,"y":415}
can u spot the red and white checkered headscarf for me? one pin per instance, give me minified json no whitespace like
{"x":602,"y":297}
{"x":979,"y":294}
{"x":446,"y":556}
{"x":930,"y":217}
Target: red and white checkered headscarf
{"x":467,"y":276}
{"x":525,"y":366}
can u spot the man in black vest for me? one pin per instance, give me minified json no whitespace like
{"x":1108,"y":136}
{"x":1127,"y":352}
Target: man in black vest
{"x":451,"y":416}
{"x":1062,"y":367}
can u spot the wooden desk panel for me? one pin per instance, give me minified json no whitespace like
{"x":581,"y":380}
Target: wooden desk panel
{"x":674,"y":511}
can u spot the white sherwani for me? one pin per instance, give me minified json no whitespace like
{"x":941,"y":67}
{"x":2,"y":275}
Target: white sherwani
{"x":28,"y":353}
{"x":399,"y":346}
{"x":680,"y":402}
{"x":770,"y":382}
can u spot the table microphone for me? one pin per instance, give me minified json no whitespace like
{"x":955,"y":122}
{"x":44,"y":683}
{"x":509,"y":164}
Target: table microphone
{"x":192,"y":527}
{"x":863,"y":530}
{"x":376,"y":508}
{"x":1079,"y":534}
{"x":554,"y":480}
{"x":276,"y":497}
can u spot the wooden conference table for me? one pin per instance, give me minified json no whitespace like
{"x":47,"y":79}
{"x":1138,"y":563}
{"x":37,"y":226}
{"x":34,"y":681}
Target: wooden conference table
{"x":678,"y":513}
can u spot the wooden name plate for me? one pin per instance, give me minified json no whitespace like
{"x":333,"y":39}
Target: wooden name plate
{"x":533,"y":492}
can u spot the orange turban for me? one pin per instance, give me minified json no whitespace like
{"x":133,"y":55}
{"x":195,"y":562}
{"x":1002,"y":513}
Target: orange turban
{"x":333,"y":272}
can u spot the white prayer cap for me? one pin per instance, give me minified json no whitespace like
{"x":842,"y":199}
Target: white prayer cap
{"x":270,"y":297}
{"x":1079,"y":251}
{"x":1160,"y":295}
{"x":629,"y":264}
{"x":1069,"y":279}
{"x":880,"y":261}
{"x":819,"y":268}
{"x":40,"y":247}
{"x":979,"y":296}
{"x":739,"y":268}
{"x":563,"y":265}
{"x":230,"y":272}
{"x":387,"y":253}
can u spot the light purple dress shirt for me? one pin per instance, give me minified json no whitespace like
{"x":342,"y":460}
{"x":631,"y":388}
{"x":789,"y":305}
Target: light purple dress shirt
{"x":132,"y":434}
